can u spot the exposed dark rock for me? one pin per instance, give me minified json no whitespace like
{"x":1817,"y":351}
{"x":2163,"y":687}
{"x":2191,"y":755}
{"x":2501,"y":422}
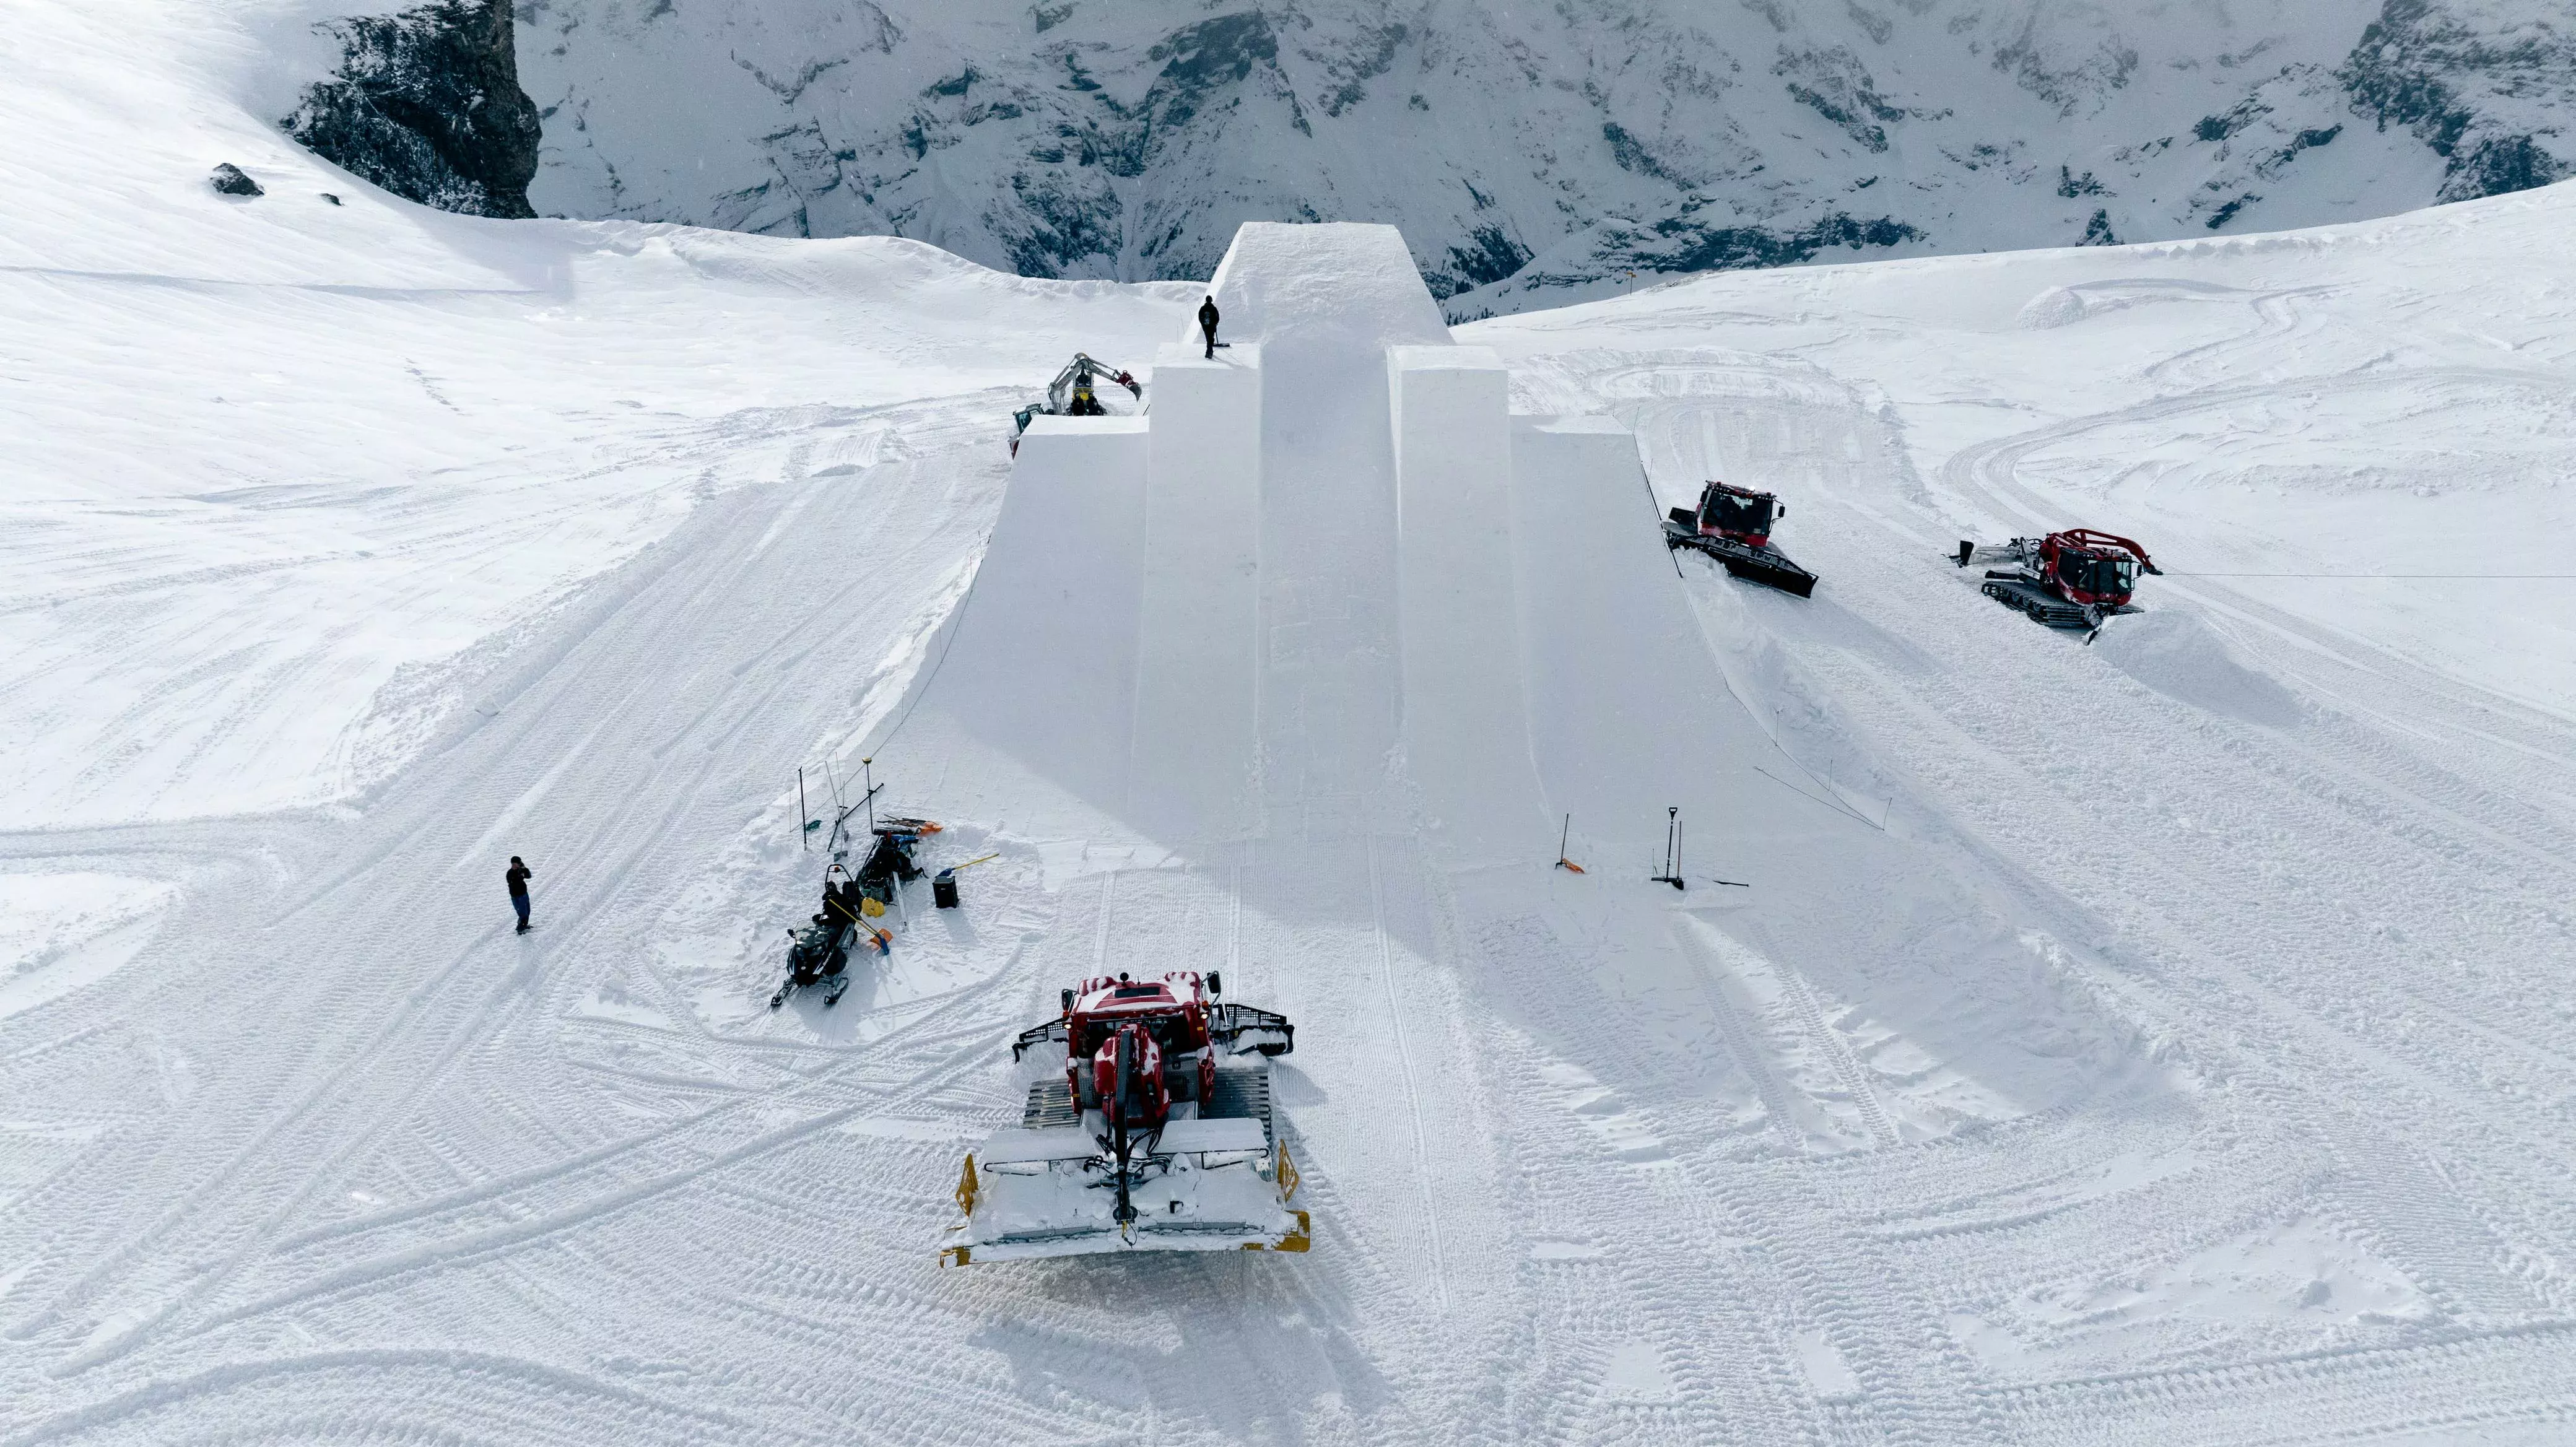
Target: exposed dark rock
{"x":1631,"y":156}
{"x":2500,"y":164}
{"x":1204,"y":58}
{"x":2097,"y":232}
{"x":228,"y":178}
{"x":427,"y":105}
{"x":2420,"y":67}
{"x":1676,"y":244}
{"x":1695,"y":247}
{"x":1835,"y":85}
{"x":1364,"y":62}
{"x":1489,"y":256}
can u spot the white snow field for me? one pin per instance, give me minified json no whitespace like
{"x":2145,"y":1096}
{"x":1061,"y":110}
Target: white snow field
{"x":2162,"y":1041}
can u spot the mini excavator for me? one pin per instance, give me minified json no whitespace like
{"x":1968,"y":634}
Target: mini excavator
{"x":1071,"y":394}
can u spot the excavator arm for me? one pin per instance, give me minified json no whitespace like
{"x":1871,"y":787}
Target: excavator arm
{"x":1060,"y":391}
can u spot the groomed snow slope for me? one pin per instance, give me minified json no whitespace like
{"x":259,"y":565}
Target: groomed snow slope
{"x":2156,"y":1042}
{"x":400,"y":432}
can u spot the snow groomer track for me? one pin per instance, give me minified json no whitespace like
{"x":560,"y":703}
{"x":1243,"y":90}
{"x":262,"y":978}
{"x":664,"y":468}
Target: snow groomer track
{"x":2014,"y":1091}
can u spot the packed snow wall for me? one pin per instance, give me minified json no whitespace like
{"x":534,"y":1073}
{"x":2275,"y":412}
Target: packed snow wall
{"x":1628,"y":713}
{"x":1465,"y":673}
{"x":1196,"y":708}
{"x":1036,"y":685}
{"x":1327,"y":586}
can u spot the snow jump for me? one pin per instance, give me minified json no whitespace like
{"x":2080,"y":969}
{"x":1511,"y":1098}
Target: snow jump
{"x":1333,"y":604}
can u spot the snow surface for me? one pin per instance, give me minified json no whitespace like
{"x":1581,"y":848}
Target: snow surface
{"x":2158,"y":1041}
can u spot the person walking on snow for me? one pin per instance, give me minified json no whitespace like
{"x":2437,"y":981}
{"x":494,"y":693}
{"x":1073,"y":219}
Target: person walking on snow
{"x":1207,"y":323}
{"x":518,"y":882}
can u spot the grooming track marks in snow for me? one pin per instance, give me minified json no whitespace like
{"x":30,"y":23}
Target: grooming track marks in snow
{"x":2161,"y":1041}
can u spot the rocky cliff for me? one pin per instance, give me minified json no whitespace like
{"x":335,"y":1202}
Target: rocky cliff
{"x":426,"y":103}
{"x":2490,"y":87}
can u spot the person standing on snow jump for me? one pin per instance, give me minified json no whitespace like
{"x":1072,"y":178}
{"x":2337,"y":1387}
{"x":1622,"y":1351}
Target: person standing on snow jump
{"x":518,"y":882}
{"x":1207,"y":323}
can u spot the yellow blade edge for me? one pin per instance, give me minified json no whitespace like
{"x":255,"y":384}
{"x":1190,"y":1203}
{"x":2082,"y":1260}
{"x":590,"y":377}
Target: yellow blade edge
{"x":1301,"y":1239}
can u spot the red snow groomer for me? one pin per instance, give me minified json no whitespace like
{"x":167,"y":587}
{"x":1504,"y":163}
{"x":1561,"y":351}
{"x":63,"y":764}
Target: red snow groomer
{"x":1733,"y":525}
{"x":2070,"y":579}
{"x":1152,"y":1139}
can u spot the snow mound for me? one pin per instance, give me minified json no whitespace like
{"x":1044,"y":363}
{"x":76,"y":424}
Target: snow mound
{"x":2186,"y":660}
{"x":2056,"y":307}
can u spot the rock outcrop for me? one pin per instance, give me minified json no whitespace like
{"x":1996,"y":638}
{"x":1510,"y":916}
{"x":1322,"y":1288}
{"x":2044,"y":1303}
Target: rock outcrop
{"x":426,"y":104}
{"x":2492,"y":90}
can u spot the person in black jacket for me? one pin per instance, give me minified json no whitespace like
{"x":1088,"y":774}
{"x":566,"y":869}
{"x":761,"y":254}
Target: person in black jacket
{"x":1207,"y":323}
{"x":517,"y":879}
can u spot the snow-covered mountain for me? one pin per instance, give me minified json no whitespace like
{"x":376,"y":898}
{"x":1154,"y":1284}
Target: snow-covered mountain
{"x":1533,"y":154}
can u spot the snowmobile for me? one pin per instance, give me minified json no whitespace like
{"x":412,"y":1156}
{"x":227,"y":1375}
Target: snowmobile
{"x":1158,"y":1136}
{"x":1071,"y":394}
{"x":2071,"y":579}
{"x":889,"y":864}
{"x":820,"y":952}
{"x":1733,"y":525}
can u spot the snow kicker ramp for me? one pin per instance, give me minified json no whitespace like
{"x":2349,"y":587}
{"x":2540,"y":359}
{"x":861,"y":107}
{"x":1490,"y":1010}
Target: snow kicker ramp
{"x":1326,"y":586}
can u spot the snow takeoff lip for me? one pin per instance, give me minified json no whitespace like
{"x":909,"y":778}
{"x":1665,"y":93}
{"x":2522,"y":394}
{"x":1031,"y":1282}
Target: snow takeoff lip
{"x":1147,"y":1142}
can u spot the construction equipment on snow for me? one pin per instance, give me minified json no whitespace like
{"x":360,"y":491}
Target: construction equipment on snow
{"x":1156,"y":1137}
{"x":1733,"y":525}
{"x":820,"y":952}
{"x":2070,"y":579}
{"x":1071,"y":394}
